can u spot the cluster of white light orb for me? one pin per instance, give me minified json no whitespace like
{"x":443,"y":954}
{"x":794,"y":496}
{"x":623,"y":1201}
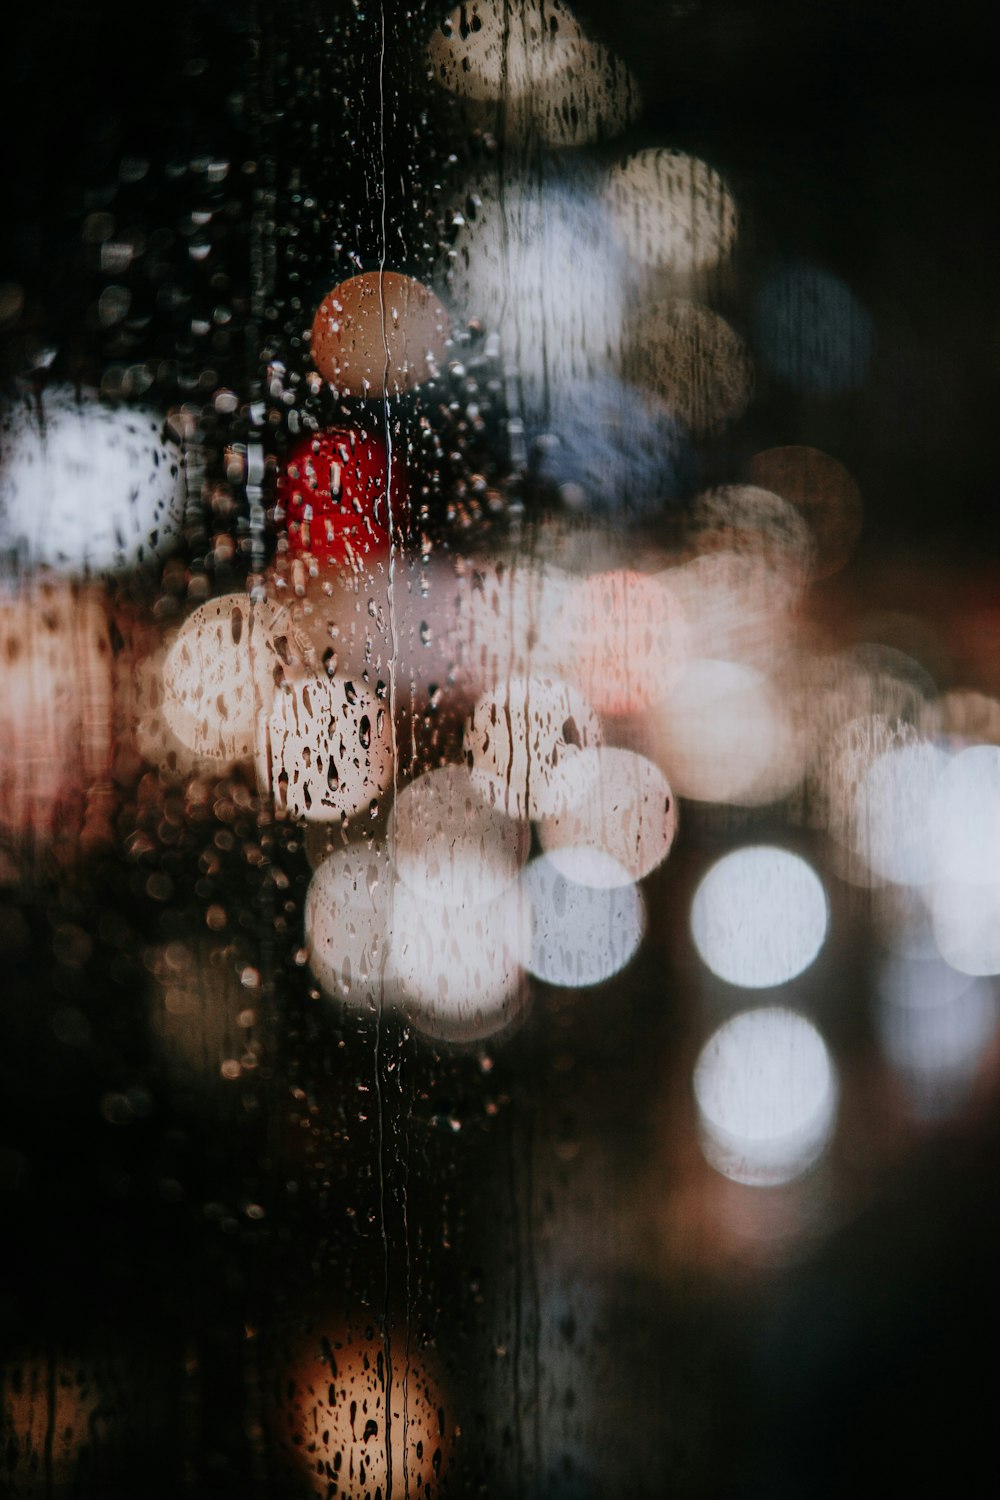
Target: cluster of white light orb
{"x":445,"y":919}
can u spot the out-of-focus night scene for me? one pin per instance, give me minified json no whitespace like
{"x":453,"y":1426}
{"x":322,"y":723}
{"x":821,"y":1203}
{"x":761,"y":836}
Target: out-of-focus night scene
{"x":499,"y":750}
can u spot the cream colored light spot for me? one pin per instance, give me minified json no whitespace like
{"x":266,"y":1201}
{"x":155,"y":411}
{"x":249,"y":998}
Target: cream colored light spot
{"x":219,"y":673}
{"x":325,"y":749}
{"x":672,"y":210}
{"x":517,"y":736}
{"x":347,"y":914}
{"x":723,"y":736}
{"x":457,"y":967}
{"x":615,"y":803}
{"x":533,"y":58}
{"x":449,"y":844}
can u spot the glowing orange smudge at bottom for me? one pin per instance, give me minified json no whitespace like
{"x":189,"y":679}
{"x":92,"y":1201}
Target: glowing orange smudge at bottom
{"x":354,"y":1411}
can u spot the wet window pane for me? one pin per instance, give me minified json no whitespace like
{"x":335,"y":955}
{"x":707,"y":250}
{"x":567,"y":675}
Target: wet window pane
{"x":499,"y":751}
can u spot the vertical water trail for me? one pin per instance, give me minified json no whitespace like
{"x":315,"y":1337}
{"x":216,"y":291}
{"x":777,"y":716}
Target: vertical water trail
{"x":391,"y":708}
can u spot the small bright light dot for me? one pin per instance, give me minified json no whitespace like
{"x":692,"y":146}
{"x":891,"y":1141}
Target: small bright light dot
{"x":580,"y":934}
{"x":449,"y":844}
{"x":767,"y":1096}
{"x":759,"y":917}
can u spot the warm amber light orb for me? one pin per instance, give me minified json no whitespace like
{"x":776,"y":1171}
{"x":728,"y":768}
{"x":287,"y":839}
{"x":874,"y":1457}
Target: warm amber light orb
{"x":362,"y":1416}
{"x":379,"y":334}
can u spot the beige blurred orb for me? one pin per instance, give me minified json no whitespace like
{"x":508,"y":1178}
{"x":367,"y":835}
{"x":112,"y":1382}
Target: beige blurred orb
{"x":672,"y":210}
{"x":517,"y":736}
{"x":533,"y":63}
{"x":449,"y":844}
{"x":347,"y":918}
{"x":694,"y":360}
{"x":324,"y":751}
{"x":360,"y":1416}
{"x":219,"y":673}
{"x":616,"y":802}
{"x":724,"y":736}
{"x":379,"y":334}
{"x":629,"y":637}
{"x":456,"y":966}
{"x":737,"y":606}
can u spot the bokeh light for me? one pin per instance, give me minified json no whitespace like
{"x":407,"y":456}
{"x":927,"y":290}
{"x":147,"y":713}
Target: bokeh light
{"x":580,"y":934}
{"x":86,"y":486}
{"x":694,"y":360}
{"x":767,"y":1097}
{"x":614,"y":803}
{"x":611,"y":449}
{"x":722,"y":735}
{"x":56,"y":711}
{"x":536,"y":265}
{"x":456,"y":968}
{"x":325,"y":749}
{"x":517,"y":736}
{"x":759,"y":916}
{"x":379,"y":334}
{"x":811,"y":331}
{"x":220,"y":673}
{"x":449,"y":843}
{"x":672,"y":210}
{"x":626,"y":639}
{"x":532,"y":61}
{"x":355,"y":1409}
{"x":825,"y":493}
{"x":347,"y":913}
{"x":935,"y":1024}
